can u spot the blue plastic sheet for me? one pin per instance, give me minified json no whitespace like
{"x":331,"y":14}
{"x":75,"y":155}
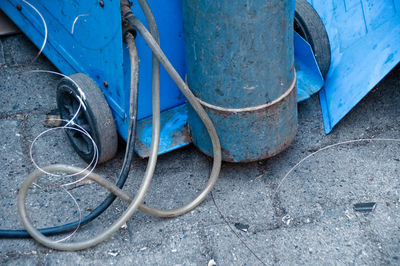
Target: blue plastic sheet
{"x":309,"y":78}
{"x":365,"y":45}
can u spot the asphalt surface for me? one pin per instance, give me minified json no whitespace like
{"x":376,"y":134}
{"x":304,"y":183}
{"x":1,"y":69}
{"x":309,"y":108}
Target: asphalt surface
{"x":311,"y":219}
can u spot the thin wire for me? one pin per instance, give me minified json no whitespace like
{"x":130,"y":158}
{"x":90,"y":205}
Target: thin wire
{"x":45,"y":31}
{"x":80,"y":214}
{"x":90,"y":166}
{"x":284,"y":178}
{"x":234,"y":232}
{"x":68,"y":123}
{"x":80,"y":129}
{"x":325,"y":148}
{"x":95,"y":159}
{"x":81,"y":97}
{"x":77,"y":206}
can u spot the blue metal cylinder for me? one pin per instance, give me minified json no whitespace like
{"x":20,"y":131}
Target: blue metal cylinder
{"x":240,"y":64}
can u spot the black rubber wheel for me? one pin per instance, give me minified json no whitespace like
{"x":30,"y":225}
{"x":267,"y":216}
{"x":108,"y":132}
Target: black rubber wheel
{"x":95,"y":117}
{"x":308,"y":24}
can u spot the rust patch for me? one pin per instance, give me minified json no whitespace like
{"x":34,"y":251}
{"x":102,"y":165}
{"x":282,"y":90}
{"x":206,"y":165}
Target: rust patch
{"x":140,"y":146}
{"x":186,"y":134}
{"x":181,"y":136}
{"x":226,"y":155}
{"x":272,"y":115}
{"x":266,"y":156}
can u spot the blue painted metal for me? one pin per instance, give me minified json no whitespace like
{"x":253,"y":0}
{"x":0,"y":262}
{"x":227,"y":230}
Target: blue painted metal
{"x":365,"y":45}
{"x":240,"y":64}
{"x":96,"y":49}
{"x":168,"y":16}
{"x":309,"y":78}
{"x":173,"y":125}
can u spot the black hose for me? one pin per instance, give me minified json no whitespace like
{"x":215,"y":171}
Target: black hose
{"x":123,"y":175}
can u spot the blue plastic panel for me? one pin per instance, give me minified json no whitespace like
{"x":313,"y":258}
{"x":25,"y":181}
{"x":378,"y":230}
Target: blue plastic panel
{"x":365,"y":45}
{"x":309,"y":78}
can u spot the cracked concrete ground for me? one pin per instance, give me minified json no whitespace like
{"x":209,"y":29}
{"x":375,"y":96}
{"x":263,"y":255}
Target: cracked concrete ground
{"x":309,"y":221}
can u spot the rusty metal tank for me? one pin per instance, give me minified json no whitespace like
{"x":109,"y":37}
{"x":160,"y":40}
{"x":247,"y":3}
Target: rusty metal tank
{"x":240,"y":65}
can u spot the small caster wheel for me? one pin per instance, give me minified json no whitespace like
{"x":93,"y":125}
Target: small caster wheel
{"x":94,"y":116}
{"x":308,"y":24}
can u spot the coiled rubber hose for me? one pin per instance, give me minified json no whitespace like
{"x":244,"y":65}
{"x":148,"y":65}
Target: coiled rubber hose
{"x":135,"y":203}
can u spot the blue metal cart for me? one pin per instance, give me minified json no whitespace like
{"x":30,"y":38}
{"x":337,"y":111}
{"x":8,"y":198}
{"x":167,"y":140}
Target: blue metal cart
{"x":86,"y":37}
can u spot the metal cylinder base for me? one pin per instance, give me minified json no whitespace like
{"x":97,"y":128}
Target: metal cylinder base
{"x":249,"y":134}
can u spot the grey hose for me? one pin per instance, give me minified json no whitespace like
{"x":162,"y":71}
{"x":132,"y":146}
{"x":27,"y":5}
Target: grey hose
{"x":199,"y":110}
{"x":134,"y":204}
